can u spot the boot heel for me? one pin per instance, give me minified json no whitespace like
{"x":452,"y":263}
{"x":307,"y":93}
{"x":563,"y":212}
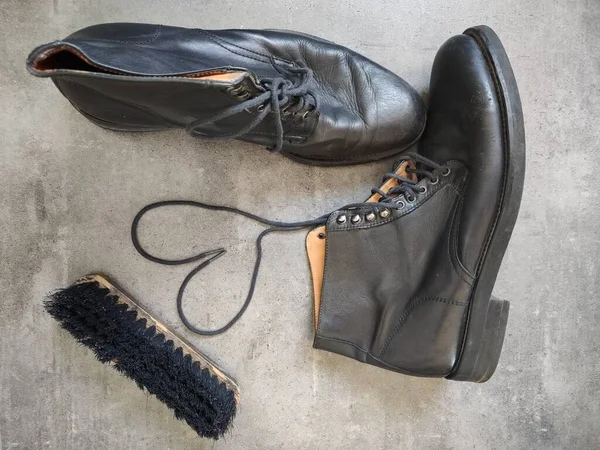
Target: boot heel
{"x":483,"y":347}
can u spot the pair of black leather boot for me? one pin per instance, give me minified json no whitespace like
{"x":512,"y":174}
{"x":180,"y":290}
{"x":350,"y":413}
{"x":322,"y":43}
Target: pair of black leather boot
{"x":403,"y":280}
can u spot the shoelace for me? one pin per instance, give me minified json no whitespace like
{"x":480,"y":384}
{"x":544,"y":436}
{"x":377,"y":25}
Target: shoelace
{"x":280,"y":92}
{"x":215,"y":253}
{"x":406,"y":187}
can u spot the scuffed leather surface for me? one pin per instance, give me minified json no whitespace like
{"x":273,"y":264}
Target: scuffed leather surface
{"x":465,"y":123}
{"x":397,"y":295}
{"x":393,"y":295}
{"x":364,"y":109}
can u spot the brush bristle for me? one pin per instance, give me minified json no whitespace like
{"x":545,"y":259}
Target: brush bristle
{"x":114,"y":333}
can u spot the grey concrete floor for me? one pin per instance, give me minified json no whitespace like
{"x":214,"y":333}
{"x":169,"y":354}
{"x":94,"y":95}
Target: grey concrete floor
{"x":68,"y":192}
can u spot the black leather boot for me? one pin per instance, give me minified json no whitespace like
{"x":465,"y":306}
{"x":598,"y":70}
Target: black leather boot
{"x":404,"y":280}
{"x":315,"y":101}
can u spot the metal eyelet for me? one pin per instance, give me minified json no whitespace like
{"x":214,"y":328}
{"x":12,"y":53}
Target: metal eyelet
{"x":434,"y":181}
{"x":410,"y":198}
{"x":422,"y":190}
{"x":355,"y":218}
{"x":446,"y":172}
{"x":305,"y":115}
{"x":341,"y":219}
{"x":401,"y":205}
{"x":243,"y":95}
{"x":370,"y":217}
{"x":260,"y":108}
{"x":321,"y":235}
{"x":384,"y":213}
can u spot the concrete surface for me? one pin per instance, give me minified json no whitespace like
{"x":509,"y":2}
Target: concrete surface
{"x":68,"y":191}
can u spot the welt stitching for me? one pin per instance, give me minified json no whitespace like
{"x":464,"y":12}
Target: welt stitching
{"x":149,"y":41}
{"x":215,"y":37}
{"x":408,"y":310}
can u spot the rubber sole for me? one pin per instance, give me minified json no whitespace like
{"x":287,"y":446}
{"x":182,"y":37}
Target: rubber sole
{"x":487,"y":316}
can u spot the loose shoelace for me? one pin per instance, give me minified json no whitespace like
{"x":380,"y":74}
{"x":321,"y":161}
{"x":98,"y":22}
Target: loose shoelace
{"x":280,"y":92}
{"x":406,"y":187}
{"x":214,"y":254}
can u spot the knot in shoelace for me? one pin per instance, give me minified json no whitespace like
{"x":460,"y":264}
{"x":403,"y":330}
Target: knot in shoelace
{"x":282,"y":96}
{"x":419,"y":165}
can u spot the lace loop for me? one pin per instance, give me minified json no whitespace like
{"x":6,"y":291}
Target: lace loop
{"x":423,"y":169}
{"x":214,"y":254}
{"x":278,"y":92}
{"x":405,"y":187}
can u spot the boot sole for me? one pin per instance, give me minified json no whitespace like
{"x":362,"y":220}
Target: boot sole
{"x":487,"y":316}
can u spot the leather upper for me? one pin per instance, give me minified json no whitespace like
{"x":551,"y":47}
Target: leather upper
{"x":465,"y":123}
{"x":396,"y":292}
{"x":363,"y":110}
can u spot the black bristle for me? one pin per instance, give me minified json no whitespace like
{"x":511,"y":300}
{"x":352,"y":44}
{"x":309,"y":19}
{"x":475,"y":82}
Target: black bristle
{"x":97,"y":320}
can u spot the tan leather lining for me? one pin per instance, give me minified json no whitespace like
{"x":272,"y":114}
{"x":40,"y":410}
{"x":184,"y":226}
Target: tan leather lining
{"x":229,"y":77}
{"x":316,"y":241}
{"x":48,"y":62}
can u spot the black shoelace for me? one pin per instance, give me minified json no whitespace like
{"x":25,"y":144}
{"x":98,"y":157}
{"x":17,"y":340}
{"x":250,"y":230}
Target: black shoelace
{"x":214,"y":254}
{"x":406,"y":187}
{"x":281,"y":96}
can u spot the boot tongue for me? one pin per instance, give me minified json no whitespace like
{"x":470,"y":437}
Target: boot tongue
{"x":392,"y":182}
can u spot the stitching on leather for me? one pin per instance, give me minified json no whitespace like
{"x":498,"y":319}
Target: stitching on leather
{"x":414,"y":205}
{"x":214,"y":36}
{"x":395,"y":368}
{"x":458,"y":186}
{"x":413,"y":304}
{"x":325,"y":270}
{"x":216,"y":39}
{"x":230,"y":50}
{"x":149,"y":41}
{"x":455,"y":240}
{"x":454,"y":231}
